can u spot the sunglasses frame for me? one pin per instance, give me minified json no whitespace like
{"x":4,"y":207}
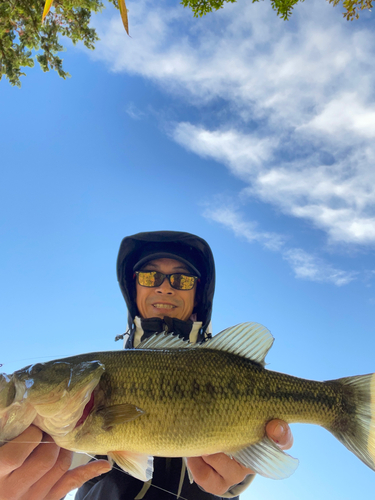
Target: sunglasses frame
{"x":169,"y":279}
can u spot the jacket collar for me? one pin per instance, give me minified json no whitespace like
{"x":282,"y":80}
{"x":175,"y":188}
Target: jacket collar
{"x":144,"y":328}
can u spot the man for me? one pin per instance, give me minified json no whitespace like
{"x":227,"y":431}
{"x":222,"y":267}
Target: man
{"x":167,"y":279}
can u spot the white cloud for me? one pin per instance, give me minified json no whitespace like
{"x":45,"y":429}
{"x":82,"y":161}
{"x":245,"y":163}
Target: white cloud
{"x":230,"y":219}
{"x":305,"y":266}
{"x":245,"y":55}
{"x":338,"y":198}
{"x":134,"y":112}
{"x":244,"y":154}
{"x":346,"y":115}
{"x":299,"y":97}
{"x":310,"y":267}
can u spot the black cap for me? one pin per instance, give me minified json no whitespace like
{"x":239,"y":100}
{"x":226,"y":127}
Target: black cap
{"x":150,"y":254}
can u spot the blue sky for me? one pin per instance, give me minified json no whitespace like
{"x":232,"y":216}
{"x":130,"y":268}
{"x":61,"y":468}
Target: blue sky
{"x":257,"y":135}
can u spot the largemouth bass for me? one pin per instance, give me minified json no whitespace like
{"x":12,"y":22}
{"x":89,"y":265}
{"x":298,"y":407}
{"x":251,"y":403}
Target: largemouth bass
{"x":172,"y":399}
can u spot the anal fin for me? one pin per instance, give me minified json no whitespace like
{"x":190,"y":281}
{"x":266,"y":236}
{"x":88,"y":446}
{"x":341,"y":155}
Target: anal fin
{"x":136,"y":464}
{"x":267,"y":459}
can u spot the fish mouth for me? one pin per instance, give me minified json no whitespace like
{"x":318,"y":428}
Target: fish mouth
{"x":87,"y":410}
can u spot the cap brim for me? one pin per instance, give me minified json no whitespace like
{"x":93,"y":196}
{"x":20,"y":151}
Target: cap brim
{"x":166,"y":255}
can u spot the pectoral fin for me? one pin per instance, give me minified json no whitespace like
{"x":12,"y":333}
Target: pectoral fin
{"x":266,"y":458}
{"x":138,"y":465}
{"x":119,"y":414}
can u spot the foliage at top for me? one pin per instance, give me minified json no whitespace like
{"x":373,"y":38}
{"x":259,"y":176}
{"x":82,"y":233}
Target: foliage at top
{"x":22,"y":33}
{"x":24,"y":37}
{"x":282,"y":7}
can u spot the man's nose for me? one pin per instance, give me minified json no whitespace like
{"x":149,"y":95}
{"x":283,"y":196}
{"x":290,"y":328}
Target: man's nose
{"x":165,"y":287}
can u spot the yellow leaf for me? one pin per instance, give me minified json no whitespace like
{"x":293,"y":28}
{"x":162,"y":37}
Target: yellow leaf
{"x":47,"y":7}
{"x":124,"y":15}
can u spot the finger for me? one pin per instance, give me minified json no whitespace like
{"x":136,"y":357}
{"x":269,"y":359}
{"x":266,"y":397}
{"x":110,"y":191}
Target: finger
{"x":42,"y":487}
{"x":232,"y":471}
{"x":76,"y":478}
{"x":279,"y":431}
{"x":14,"y":453}
{"x":37,"y":464}
{"x":204,"y":475}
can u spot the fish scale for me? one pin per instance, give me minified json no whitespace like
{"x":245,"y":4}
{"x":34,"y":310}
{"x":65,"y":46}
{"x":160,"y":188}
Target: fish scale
{"x":171,"y":388}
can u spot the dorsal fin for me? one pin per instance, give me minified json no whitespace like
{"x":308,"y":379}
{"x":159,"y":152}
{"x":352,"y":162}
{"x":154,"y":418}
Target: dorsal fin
{"x":164,"y":340}
{"x":249,"y":340}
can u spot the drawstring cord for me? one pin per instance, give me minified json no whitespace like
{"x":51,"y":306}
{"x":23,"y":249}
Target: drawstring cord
{"x":148,"y":484}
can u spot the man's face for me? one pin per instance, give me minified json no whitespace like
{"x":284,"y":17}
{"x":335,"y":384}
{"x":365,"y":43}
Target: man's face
{"x":164,"y":300}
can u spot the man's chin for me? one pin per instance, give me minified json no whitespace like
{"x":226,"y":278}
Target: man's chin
{"x":161,"y":315}
{"x":165,"y":314}
{"x":170,"y":313}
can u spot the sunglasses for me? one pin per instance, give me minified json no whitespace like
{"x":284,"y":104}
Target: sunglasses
{"x":178,"y":281}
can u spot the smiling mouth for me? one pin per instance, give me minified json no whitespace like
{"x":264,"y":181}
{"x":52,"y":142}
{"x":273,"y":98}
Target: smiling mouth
{"x":163,"y":306}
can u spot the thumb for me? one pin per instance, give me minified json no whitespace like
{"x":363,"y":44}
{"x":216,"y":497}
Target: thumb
{"x":279,"y":431}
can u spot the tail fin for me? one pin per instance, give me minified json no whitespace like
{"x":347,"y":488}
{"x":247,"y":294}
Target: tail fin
{"x":356,"y":428}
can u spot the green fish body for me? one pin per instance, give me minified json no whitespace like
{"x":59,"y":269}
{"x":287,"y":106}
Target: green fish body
{"x":171,"y":399}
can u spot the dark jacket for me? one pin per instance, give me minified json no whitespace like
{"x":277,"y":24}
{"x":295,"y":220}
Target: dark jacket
{"x":116,"y":485}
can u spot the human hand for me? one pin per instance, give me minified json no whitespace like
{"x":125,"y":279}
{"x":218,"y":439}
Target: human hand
{"x":217,"y":473}
{"x":31,"y":470}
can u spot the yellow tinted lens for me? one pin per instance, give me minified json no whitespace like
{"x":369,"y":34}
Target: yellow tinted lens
{"x":182,"y":282}
{"x":147,"y":279}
